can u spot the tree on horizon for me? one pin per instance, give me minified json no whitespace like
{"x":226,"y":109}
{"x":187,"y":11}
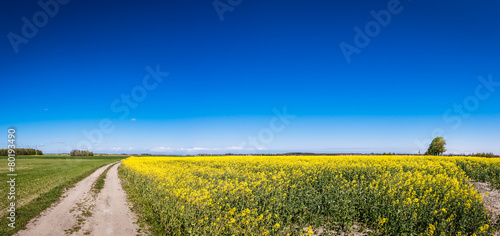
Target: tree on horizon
{"x":436,"y":147}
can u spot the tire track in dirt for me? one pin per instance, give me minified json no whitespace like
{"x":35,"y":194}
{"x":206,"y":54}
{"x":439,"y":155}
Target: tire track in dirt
{"x":491,"y":198}
{"x":81,"y":212}
{"x":112,"y":215}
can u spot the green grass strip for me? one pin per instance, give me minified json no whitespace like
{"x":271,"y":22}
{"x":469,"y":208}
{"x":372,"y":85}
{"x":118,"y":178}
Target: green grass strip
{"x":99,"y":183}
{"x":33,"y":208}
{"x":68,"y":157}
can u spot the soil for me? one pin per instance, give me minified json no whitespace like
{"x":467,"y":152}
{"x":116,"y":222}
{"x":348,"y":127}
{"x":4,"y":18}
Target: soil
{"x":82,"y":212}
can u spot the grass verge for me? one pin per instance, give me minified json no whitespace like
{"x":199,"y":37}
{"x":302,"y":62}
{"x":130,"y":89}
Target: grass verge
{"x":99,"y":183}
{"x":43,"y":181}
{"x":138,"y":203}
{"x":97,"y":157}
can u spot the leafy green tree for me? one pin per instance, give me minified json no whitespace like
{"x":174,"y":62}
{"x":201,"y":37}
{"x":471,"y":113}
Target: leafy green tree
{"x":21,"y":152}
{"x":81,"y":153}
{"x":436,"y":147}
{"x":485,"y":155}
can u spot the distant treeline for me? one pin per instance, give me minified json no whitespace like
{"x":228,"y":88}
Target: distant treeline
{"x":21,"y":151}
{"x":485,"y":154}
{"x":81,"y":153}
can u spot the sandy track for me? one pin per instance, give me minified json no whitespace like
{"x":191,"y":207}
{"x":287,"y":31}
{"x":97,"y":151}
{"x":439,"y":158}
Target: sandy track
{"x":109,"y":211}
{"x":491,"y":198}
{"x":112,"y":215}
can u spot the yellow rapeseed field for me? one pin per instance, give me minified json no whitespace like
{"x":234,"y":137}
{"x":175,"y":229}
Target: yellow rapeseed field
{"x":303,"y":195}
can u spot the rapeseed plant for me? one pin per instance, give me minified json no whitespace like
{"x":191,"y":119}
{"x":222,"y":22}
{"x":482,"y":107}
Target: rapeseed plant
{"x":283,"y":195}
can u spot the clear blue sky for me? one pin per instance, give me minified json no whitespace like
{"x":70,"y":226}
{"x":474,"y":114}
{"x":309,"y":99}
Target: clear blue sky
{"x":230,"y":80}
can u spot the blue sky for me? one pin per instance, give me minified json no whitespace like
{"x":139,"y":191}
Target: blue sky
{"x":269,"y":77}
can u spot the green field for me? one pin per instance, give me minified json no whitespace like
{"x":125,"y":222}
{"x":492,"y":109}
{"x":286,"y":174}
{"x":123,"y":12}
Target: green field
{"x":41,"y":180}
{"x":114,"y":157}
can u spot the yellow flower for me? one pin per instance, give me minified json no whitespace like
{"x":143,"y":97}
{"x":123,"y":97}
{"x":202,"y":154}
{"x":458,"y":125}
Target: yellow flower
{"x":216,"y":189}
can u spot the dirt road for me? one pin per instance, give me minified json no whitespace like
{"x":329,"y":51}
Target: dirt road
{"x":82,"y":212}
{"x":491,"y":198}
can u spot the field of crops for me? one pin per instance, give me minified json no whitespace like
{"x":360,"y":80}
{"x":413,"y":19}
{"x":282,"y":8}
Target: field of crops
{"x":304,"y":195}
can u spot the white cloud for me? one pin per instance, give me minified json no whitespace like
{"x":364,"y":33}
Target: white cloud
{"x":195,"y":149}
{"x":198,"y":149}
{"x":160,"y":149}
{"x":133,"y":119}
